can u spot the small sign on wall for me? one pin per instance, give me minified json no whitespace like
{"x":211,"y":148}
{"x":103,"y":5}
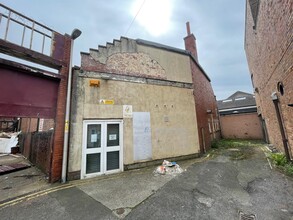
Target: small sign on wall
{"x":127,"y":111}
{"x":107,"y":102}
{"x":41,"y":124}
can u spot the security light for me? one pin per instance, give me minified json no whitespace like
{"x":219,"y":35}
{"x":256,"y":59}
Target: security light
{"x":75,"y":33}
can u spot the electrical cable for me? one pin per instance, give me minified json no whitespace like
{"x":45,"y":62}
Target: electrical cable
{"x":135,"y":17}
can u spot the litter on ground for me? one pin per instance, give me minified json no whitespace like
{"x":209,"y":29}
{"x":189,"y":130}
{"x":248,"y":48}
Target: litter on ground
{"x":168,"y":168}
{"x":8,"y":141}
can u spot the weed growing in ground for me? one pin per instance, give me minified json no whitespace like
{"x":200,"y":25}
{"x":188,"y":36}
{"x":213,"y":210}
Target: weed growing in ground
{"x":234,"y":148}
{"x":289,"y":169}
{"x":242,"y":149}
{"x":234,"y":143}
{"x":280,"y":161}
{"x":215,"y":144}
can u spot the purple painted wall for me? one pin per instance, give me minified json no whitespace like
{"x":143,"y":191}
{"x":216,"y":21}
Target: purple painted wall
{"x":25,"y":95}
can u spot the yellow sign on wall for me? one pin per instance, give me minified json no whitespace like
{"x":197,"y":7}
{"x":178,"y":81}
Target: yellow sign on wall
{"x":95,"y":82}
{"x":107,"y":101}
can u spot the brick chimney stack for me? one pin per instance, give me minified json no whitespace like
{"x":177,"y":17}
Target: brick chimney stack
{"x":190,"y":44}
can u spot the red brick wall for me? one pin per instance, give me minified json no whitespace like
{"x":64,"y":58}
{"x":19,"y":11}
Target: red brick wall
{"x":241,"y":126}
{"x":269,"y":52}
{"x":48,"y":124}
{"x":191,"y":45}
{"x":204,"y":97}
{"x":57,"y":151}
{"x":204,"y":100}
{"x":131,"y":64}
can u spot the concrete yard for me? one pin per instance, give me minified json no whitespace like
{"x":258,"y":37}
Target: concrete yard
{"x":218,"y":187}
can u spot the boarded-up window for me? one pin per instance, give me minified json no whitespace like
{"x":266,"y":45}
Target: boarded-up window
{"x":142,"y":141}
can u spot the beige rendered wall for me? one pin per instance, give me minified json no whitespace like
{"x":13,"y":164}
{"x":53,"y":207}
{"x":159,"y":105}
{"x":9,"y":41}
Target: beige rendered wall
{"x":241,"y":126}
{"x":176,"y":65}
{"x":173,"y":137}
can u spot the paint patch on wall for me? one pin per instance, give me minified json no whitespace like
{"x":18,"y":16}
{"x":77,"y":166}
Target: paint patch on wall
{"x":142,"y":144}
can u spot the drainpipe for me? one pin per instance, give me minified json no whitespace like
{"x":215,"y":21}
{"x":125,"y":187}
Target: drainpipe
{"x":281,"y":125}
{"x":75,"y":34}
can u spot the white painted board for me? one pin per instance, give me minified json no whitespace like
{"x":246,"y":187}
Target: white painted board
{"x":142,"y":141}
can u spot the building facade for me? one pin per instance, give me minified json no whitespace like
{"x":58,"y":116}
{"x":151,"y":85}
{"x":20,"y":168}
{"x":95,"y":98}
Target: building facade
{"x":133,"y":103}
{"x":269,"y":51}
{"x":239,"y":118}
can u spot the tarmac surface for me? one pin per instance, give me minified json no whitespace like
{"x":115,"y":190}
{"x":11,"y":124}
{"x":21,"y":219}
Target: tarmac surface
{"x":218,"y":187}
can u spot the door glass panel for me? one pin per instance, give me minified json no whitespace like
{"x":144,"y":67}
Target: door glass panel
{"x":112,"y":135}
{"x":93,"y":162}
{"x":94,"y":136}
{"x":113,"y":160}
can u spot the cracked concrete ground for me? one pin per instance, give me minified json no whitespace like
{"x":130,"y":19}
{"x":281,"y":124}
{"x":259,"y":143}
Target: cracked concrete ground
{"x":218,"y":188}
{"x":20,"y":182}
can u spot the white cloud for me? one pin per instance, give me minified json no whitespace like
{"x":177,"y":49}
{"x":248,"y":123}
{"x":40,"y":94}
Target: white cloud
{"x":153,"y":15}
{"x":217,"y":25}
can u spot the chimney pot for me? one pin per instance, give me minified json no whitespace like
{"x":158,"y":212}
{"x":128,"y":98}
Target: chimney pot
{"x":188,"y":28}
{"x":189,"y":41}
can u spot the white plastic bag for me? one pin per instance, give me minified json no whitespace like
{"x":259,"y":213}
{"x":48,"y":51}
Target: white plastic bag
{"x":160,"y":170}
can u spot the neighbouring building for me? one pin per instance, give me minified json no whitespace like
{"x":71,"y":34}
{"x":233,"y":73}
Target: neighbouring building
{"x":136,"y":102}
{"x":269,"y":51}
{"x":239,"y":118}
{"x":29,"y":95}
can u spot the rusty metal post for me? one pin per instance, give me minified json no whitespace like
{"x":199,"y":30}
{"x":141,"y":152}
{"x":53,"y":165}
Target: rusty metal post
{"x":281,"y":125}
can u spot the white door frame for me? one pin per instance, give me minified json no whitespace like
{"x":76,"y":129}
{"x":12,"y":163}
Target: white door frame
{"x":103,"y":149}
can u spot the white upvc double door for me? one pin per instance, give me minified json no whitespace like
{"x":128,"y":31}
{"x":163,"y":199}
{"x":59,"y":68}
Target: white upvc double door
{"x":102,"y":147}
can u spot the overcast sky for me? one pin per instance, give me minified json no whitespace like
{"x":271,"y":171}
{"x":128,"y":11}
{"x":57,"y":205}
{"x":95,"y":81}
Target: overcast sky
{"x":217,"y":24}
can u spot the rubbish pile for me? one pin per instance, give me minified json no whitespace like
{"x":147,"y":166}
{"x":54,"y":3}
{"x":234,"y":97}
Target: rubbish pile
{"x":8,"y":141}
{"x":168,"y":168}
